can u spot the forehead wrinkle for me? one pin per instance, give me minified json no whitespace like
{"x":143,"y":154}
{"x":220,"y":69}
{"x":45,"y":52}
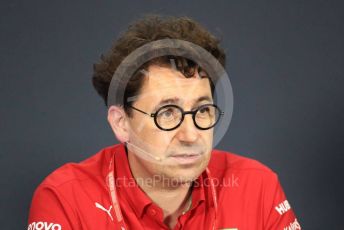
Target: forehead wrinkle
{"x":170,"y":85}
{"x":157,"y":94}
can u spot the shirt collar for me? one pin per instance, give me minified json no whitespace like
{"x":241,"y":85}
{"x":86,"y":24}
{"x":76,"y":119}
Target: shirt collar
{"x":198,"y":191}
{"x":126,"y":184}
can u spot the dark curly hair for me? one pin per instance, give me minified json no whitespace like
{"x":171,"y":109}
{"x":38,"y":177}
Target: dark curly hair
{"x":148,"y":29}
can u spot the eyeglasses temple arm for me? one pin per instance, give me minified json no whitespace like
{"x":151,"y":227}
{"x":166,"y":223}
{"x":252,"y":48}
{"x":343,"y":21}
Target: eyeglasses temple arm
{"x":138,"y":110}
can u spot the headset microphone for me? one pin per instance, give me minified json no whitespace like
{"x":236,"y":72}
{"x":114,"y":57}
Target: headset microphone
{"x":144,"y":152}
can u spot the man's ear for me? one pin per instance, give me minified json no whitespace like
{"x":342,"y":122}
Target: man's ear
{"x":118,"y":121}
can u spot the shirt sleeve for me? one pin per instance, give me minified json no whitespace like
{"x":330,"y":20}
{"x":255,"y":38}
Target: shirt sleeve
{"x":50,"y":210}
{"x":279,"y":214}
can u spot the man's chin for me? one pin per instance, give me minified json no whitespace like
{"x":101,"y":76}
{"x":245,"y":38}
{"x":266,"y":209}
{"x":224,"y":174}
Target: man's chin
{"x":183,"y":177}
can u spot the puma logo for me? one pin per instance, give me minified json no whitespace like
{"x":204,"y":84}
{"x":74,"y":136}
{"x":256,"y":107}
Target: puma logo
{"x":104,"y":209}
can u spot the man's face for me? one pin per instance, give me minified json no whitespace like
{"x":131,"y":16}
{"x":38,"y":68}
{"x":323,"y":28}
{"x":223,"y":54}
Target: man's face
{"x":184,"y":151}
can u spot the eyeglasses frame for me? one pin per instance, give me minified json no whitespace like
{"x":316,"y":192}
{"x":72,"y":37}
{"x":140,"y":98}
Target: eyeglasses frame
{"x":193,"y":112}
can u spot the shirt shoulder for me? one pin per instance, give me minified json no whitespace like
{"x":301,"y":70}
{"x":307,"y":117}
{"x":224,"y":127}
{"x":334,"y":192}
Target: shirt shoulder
{"x":66,"y":198}
{"x":248,"y":189}
{"x":89,"y":169}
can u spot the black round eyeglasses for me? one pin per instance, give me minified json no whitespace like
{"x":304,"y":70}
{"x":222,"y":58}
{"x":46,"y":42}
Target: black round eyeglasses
{"x":170,"y":117}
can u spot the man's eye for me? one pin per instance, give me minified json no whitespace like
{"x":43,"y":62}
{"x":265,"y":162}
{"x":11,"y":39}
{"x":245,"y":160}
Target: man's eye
{"x":204,"y":110}
{"x":166,"y":113}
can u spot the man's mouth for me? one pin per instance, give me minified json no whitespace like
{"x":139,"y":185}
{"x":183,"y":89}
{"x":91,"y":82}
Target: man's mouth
{"x":186,"y":158}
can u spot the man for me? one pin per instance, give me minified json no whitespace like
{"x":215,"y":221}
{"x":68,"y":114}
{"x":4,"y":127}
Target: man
{"x":165,"y":173}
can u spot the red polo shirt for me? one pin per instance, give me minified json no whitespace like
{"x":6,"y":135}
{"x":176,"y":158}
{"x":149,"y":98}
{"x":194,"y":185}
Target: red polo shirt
{"x":76,"y":196}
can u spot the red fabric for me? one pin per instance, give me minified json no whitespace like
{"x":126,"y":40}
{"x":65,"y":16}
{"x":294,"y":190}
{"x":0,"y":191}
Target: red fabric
{"x":249,"y":196}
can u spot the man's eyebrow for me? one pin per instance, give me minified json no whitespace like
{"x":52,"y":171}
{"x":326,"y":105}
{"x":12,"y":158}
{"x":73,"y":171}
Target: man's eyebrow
{"x":175,"y":100}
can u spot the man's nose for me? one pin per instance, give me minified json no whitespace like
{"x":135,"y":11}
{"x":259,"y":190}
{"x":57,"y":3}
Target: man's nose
{"x":187,"y":131}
